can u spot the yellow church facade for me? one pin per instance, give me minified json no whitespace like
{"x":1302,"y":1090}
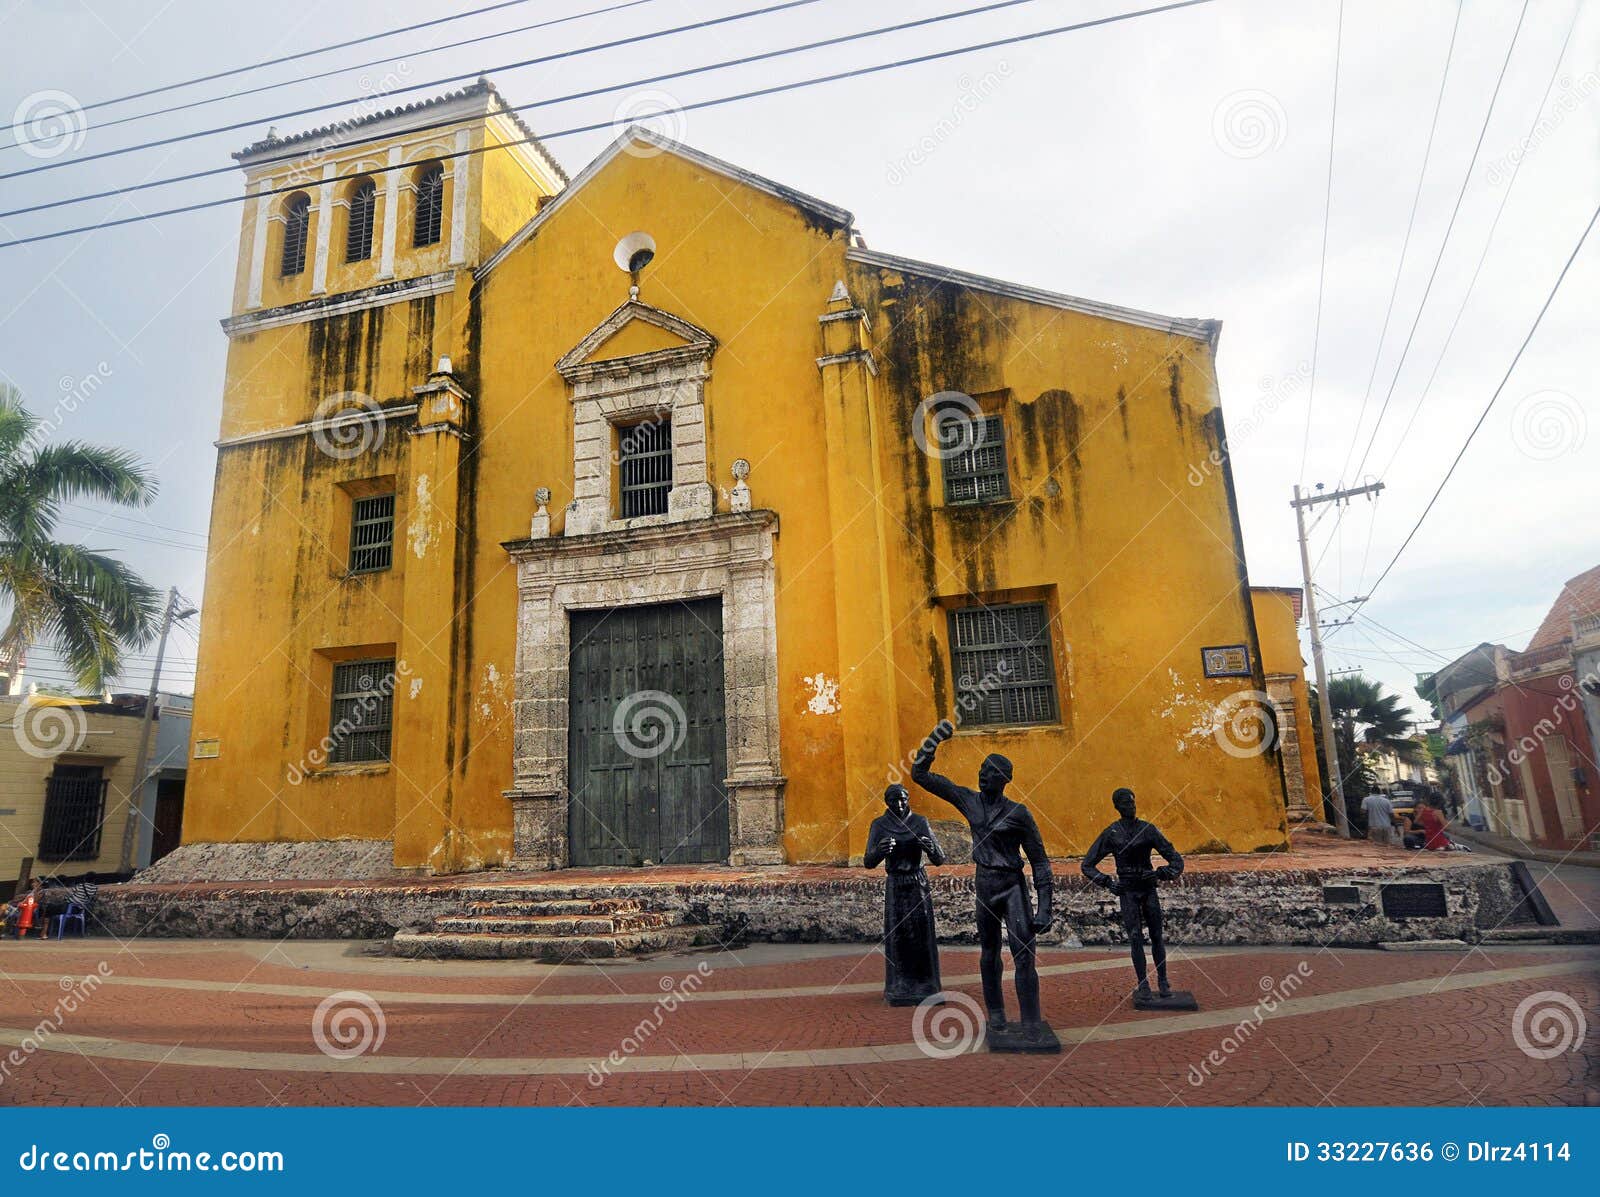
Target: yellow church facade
{"x":650,"y":516}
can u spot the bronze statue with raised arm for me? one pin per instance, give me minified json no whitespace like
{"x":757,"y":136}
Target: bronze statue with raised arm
{"x":1002,"y":833}
{"x":1130,"y":840}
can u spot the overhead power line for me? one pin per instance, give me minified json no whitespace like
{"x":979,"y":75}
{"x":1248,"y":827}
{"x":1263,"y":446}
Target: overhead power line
{"x":404,"y":55}
{"x":255,"y":66}
{"x":1445,"y":240}
{"x":1327,"y":213}
{"x":451,"y":122}
{"x":1516,"y":171}
{"x":738,"y":97}
{"x":1405,"y":244}
{"x":1488,"y":407}
{"x":430,"y":85}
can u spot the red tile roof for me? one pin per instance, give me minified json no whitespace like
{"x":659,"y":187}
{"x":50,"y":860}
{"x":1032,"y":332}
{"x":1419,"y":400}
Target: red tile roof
{"x":1579,"y":597}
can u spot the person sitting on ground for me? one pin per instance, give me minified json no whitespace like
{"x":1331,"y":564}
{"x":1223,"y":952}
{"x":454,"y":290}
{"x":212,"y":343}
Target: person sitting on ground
{"x":1431,"y":822}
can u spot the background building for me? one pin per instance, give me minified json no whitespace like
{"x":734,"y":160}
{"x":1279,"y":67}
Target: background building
{"x":66,"y":770}
{"x":1278,"y":613}
{"x":1524,"y":724}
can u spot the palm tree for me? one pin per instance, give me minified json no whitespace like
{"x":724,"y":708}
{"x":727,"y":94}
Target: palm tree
{"x":1365,"y":717}
{"x":87,"y":606}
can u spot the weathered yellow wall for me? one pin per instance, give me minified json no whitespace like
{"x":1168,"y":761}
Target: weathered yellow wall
{"x":1109,"y":424}
{"x":110,"y":741}
{"x":1280,"y":653}
{"x":1118,"y":523}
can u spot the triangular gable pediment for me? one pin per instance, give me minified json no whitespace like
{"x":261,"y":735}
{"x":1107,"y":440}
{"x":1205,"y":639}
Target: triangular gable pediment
{"x":645,"y":143}
{"x":641,"y":336}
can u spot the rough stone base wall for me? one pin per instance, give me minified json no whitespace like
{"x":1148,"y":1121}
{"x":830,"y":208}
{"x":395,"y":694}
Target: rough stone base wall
{"x":1242,"y":907}
{"x":358,"y":860}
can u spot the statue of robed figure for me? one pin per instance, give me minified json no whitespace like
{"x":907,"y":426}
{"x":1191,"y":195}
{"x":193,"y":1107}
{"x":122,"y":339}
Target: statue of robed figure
{"x":898,"y":840}
{"x":1130,"y":841}
{"x":1003,"y":832}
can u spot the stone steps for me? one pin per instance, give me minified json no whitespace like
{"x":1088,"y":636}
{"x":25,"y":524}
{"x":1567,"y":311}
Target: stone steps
{"x":543,"y":906}
{"x":553,"y":930}
{"x":1542,"y":935}
{"x":552,"y":924}
{"x":552,"y":949}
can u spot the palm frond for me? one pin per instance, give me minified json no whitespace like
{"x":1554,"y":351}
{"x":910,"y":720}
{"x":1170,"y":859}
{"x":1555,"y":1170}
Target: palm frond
{"x":74,"y":470}
{"x":17,"y":423}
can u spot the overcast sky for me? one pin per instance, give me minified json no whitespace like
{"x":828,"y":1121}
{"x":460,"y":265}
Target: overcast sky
{"x":1178,"y":162}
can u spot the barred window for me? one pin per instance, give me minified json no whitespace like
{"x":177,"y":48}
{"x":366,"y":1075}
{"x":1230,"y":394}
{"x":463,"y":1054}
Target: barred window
{"x":644,"y":454}
{"x":74,"y":813}
{"x":296,"y":225}
{"x":1004,"y":672}
{"x":358,"y":229}
{"x":978,"y":474}
{"x":371,"y":534}
{"x":362,"y":710}
{"x":430,"y":207}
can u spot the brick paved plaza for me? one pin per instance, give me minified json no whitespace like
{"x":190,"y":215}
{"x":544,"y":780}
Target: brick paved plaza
{"x":238,"y":1023}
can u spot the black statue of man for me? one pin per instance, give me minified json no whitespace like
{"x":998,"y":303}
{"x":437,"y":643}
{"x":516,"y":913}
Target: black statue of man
{"x":1131,"y":841}
{"x":899,"y":840}
{"x":1002,"y":833}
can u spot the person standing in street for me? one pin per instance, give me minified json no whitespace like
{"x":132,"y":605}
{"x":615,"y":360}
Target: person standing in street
{"x":1379,"y":813}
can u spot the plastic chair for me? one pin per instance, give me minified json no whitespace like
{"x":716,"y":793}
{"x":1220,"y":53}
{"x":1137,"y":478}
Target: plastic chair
{"x":73,"y":913}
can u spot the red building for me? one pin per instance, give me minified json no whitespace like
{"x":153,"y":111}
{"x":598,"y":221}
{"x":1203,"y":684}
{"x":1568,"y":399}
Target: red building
{"x":1547,"y":742}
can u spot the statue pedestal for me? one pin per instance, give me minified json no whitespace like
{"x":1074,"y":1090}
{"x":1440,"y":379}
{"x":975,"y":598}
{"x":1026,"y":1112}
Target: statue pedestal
{"x":1014,"y":1038}
{"x":1178,"y":999}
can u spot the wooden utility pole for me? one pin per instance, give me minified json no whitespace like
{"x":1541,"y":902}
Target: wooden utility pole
{"x":1330,"y":746}
{"x":141,"y":763}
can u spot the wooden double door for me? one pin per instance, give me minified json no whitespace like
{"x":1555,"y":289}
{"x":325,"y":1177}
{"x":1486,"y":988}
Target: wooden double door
{"x":647,"y":739}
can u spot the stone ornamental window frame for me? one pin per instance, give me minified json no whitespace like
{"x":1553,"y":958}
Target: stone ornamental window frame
{"x":610,"y":394}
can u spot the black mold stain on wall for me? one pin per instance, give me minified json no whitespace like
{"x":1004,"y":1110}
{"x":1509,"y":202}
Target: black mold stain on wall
{"x":939,"y":339}
{"x":342,"y":354}
{"x":1051,"y":424}
{"x":421,"y":315}
{"x":1175,"y":392}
